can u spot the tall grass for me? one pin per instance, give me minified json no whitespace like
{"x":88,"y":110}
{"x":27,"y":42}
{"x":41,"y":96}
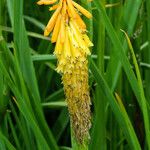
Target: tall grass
{"x":33,"y":111}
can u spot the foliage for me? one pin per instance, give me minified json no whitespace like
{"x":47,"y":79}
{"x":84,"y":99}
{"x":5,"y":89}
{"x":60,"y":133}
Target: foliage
{"x":33,"y":112}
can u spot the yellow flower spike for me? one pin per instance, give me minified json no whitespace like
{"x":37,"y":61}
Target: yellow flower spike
{"x":52,"y":22}
{"x":71,"y":50}
{"x":82,"y":10}
{"x":56,"y":29}
{"x":46,"y":2}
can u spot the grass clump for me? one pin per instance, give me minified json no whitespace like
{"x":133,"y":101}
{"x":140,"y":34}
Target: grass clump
{"x":108,"y":69}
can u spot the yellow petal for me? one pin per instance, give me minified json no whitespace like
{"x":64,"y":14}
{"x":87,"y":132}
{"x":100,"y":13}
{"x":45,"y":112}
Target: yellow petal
{"x":80,"y":22}
{"x":74,"y":48}
{"x":74,"y":15}
{"x":62,"y":30}
{"x":46,"y":2}
{"x":67,"y":51}
{"x":71,"y":8}
{"x":52,"y":22}
{"x":54,"y":7}
{"x":79,"y":38}
{"x":77,"y":35}
{"x":64,"y":8}
{"x":72,"y":38}
{"x":69,"y":12}
{"x":58,"y":47}
{"x":77,"y":52}
{"x":87,"y":51}
{"x":56,"y":30}
{"x":87,"y":40}
{"x":60,"y":69}
{"x":62,"y":60}
{"x":82,"y":10}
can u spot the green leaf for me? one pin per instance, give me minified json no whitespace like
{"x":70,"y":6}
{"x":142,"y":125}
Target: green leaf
{"x":123,"y":121}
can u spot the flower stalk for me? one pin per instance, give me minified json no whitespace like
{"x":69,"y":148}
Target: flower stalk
{"x":72,"y":48}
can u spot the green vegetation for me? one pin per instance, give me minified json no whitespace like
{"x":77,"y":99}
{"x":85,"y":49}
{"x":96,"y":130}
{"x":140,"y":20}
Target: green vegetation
{"x":33,"y":111}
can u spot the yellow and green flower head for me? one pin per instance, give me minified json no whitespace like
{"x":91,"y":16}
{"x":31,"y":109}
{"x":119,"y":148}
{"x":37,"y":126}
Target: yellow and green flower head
{"x":72,"y":48}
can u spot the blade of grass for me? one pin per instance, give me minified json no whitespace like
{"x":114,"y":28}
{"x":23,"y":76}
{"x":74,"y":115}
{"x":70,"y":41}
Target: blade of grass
{"x":142,"y":95}
{"x":6,"y":141}
{"x":25,"y":62}
{"x":61,"y":123}
{"x":130,"y":18}
{"x":54,"y":104}
{"x":56,"y":95}
{"x":20,"y":125}
{"x":35,"y":22}
{"x":29,"y":33}
{"x":122,"y":120}
{"x":43,"y":57}
{"x":125,"y":64}
{"x":65,"y":148}
{"x":147,"y":80}
{"x":99,"y":123}
{"x":24,"y":106}
{"x":119,"y":51}
{"x":24,"y":109}
{"x":18,"y":146}
{"x":114,"y":63}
